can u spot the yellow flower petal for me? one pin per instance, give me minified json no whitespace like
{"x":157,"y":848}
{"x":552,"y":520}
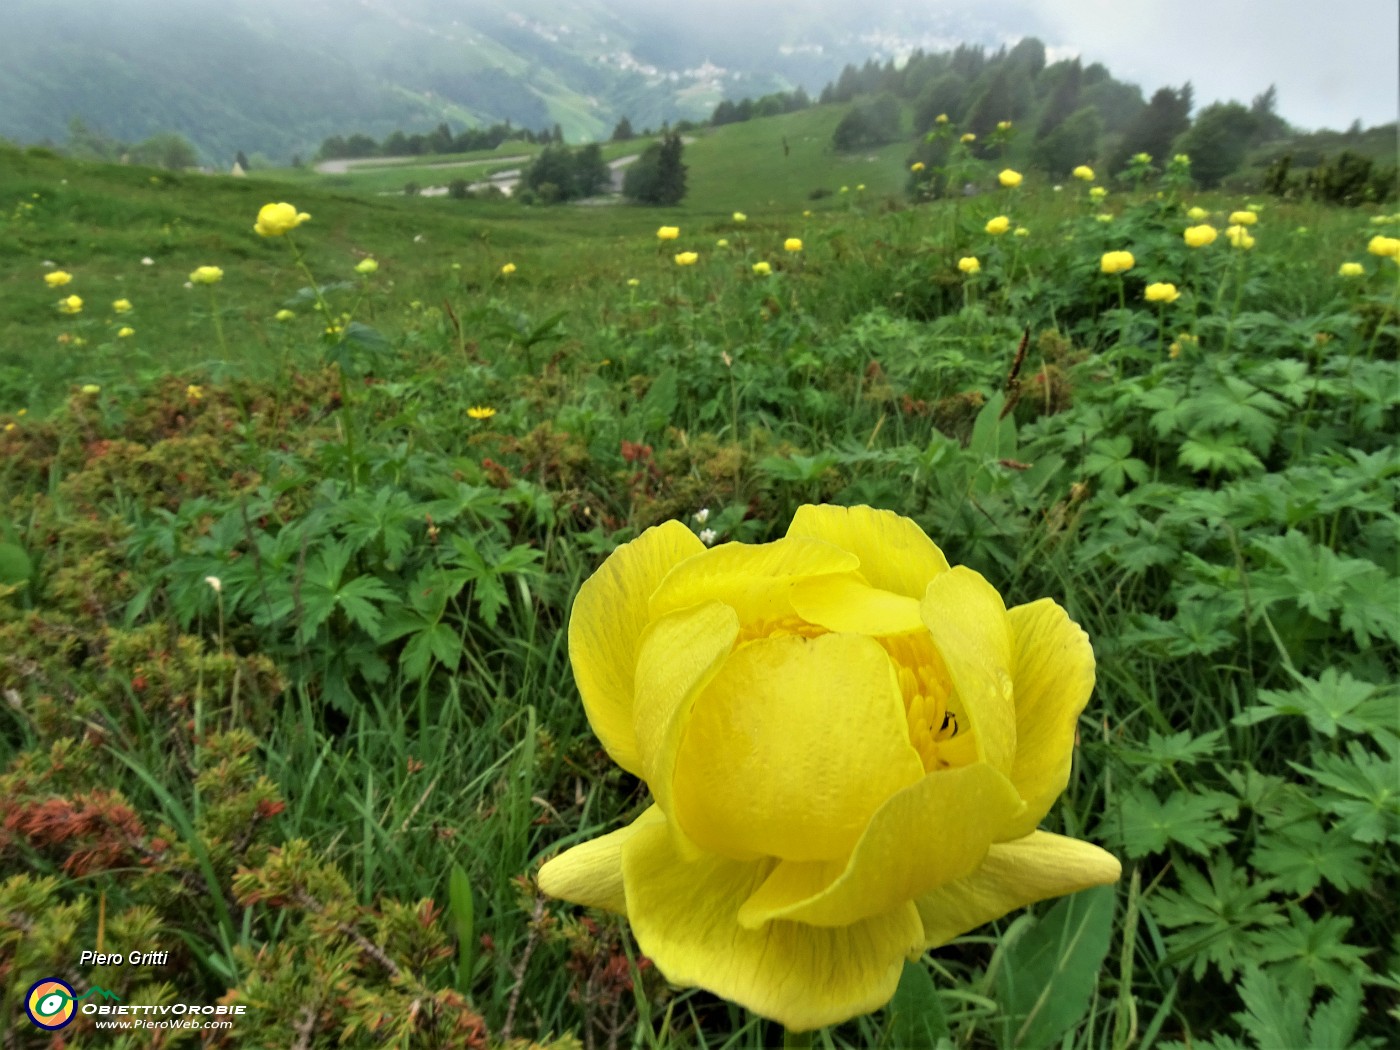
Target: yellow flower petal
{"x":846,"y":603}
{"x":791,"y":748}
{"x":605,"y":630}
{"x":967,"y":620}
{"x":755,"y":580}
{"x":895,"y":554}
{"x":684,"y":915}
{"x":591,"y":872}
{"x":1053,"y":667}
{"x":1014,"y":874}
{"x":931,"y":833}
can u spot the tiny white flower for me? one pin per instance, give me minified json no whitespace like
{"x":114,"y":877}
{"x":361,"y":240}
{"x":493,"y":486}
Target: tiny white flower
{"x":48,"y":264}
{"x":148,"y":261}
{"x":417,"y":238}
{"x":188,"y":284}
{"x":702,"y":515}
{"x":1058,"y":188}
{"x":216,"y":583}
{"x":708,"y":537}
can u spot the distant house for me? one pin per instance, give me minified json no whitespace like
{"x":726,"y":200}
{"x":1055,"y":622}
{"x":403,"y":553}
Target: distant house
{"x":237,"y":170}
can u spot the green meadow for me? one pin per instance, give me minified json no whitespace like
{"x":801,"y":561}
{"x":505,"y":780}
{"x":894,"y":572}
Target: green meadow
{"x":286,"y":572}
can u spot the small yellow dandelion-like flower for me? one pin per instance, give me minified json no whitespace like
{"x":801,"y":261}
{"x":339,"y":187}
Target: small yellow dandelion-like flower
{"x":997,"y":226}
{"x":723,"y":242}
{"x":284,"y":316}
{"x":1003,"y":125}
{"x":763,"y":269}
{"x":507,"y":269}
{"x":72,"y":305}
{"x":1196,"y":214}
{"x":121,"y":306}
{"x":1142,"y":158}
{"x":1174,"y":351}
{"x":740,"y":217}
{"x":1239,"y":236}
{"x":1116,"y":262}
{"x":1243,"y":218}
{"x":969,"y":264}
{"x":845,"y":189}
{"x":942,"y":118}
{"x":9,"y":427}
{"x":367,"y":266}
{"x":90,"y":389}
{"x":274,"y":220}
{"x":1199,"y":236}
{"x":687,"y":258}
{"x":792,"y":244}
{"x":194,"y":392}
{"x":1008,"y":178}
{"x":207,"y":275}
{"x":125,"y":332}
{"x":1083,"y":173}
{"x":917,"y":167}
{"x":57,"y":278}
{"x":633,"y":282}
{"x":1385,"y":247}
{"x":668,"y":233}
{"x":1161,"y":292}
{"x":1350,"y":269}
{"x":860,"y":187}
{"x":1256,"y":208}
{"x":1021,"y":231}
{"x":807,"y":214}
{"x":480,"y":412}
{"x":968,"y":137}
{"x":1098,"y":193}
{"x":1104,"y":217}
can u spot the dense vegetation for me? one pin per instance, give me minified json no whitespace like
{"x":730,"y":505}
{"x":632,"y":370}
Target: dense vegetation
{"x":284,"y":572}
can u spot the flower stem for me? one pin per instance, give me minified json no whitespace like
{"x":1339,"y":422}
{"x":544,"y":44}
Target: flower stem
{"x":797,"y":1040}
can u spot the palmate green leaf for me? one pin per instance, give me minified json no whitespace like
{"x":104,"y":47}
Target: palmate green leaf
{"x":1277,"y":1016}
{"x":1111,"y":461}
{"x":1049,"y":972}
{"x":1310,"y":574}
{"x":1195,"y":820}
{"x":1305,"y":854}
{"x":1217,"y":453}
{"x":1218,"y":921}
{"x":1365,"y":795}
{"x":1241,"y":407}
{"x":1335,"y":701}
{"x":1304,"y":953}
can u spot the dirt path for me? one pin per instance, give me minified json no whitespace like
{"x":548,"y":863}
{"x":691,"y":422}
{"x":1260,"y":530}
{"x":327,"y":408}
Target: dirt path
{"x":344,"y":167}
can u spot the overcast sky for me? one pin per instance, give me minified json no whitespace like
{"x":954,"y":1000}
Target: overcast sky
{"x":1333,"y":60}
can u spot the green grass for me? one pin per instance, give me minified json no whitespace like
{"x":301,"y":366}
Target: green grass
{"x":277,"y":778}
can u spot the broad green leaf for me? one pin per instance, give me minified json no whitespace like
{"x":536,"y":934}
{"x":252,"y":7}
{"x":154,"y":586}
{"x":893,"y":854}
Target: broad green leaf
{"x":463,"y":909}
{"x":916,"y":1020}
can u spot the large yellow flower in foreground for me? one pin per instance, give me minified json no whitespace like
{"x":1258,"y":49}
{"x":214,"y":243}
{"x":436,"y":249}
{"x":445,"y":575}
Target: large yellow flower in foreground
{"x":276,"y":219}
{"x":849,"y":745}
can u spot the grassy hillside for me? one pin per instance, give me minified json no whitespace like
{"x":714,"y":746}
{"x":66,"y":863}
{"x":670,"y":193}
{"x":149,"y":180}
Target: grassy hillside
{"x":285,"y":605}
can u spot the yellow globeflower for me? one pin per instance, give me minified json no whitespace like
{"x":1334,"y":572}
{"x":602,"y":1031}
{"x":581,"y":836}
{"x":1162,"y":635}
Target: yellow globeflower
{"x":1161,"y":292}
{"x":740,"y":217}
{"x":57,"y":278}
{"x":633,"y":282}
{"x":1010,"y":179}
{"x":207,"y":275}
{"x":1385,"y":247}
{"x":194,"y":392}
{"x":723,"y":242}
{"x":1021,"y":231}
{"x":969,"y":264}
{"x":91,"y":389}
{"x":687,"y":258}
{"x":792,"y":244}
{"x":72,"y":305}
{"x":1243,"y":218}
{"x":668,"y":233}
{"x":1239,"y":236}
{"x":367,"y":266}
{"x":763,"y":269}
{"x":480,"y":412}
{"x":276,"y":219}
{"x":1084,"y":173}
{"x":507,"y":269}
{"x":942,"y":118}
{"x":1003,"y":125}
{"x":968,"y":137}
{"x":1098,"y":193}
{"x":997,"y":226}
{"x":1350,"y":269}
{"x":1199,"y":236}
{"x":284,"y":315}
{"x":121,"y":306}
{"x":125,"y":332}
{"x":917,"y":166}
{"x":1196,"y":214}
{"x":849,"y":745}
{"x":1116,"y":262}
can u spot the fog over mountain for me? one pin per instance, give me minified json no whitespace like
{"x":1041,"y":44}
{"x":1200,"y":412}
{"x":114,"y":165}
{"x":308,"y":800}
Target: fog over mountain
{"x":277,"y":76}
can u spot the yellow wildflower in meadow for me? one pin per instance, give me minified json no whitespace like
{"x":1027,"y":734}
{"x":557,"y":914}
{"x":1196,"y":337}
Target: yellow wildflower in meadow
{"x":1161,"y":292}
{"x":849,"y":745}
{"x":740,"y":217}
{"x":723,"y":242}
{"x":1003,"y":125}
{"x":997,"y":226}
{"x":121,"y":306}
{"x":57,"y":278}
{"x":125,"y":332}
{"x":72,"y":305}
{"x":1116,"y":262}
{"x":1199,"y":236}
{"x":480,"y":412}
{"x":917,"y":167}
{"x":90,"y":389}
{"x":1239,"y":236}
{"x":274,"y":220}
{"x":1385,"y":247}
{"x":366,"y":266}
{"x":194,"y":392}
{"x":762,"y":269}
{"x":1196,"y":214}
{"x":1083,"y":173}
{"x":1243,"y":218}
{"x":668,"y":233}
{"x":1098,"y":193}
{"x":942,"y":118}
{"x":1008,"y":178}
{"x":687,"y":258}
{"x":967,"y":138}
{"x":792,"y":244}
{"x":507,"y":269}
{"x":207,"y":275}
{"x":969,"y":264}
{"x":1021,"y":231}
{"x":284,"y":316}
{"x":633,"y":282}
